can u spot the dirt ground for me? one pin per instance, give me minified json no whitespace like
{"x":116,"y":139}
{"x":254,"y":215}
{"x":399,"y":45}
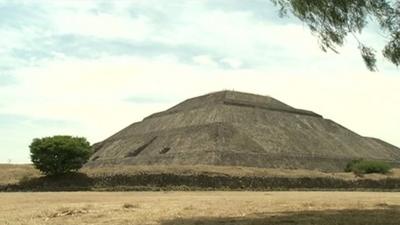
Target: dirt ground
{"x":200,"y":208}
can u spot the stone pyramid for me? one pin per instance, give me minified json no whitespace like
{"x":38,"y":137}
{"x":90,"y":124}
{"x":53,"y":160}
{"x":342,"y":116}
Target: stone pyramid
{"x":239,"y":129}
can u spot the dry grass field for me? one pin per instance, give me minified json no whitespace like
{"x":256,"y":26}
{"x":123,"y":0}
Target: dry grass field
{"x":197,"y":208}
{"x":178,"y":178}
{"x":13,"y":173}
{"x":200,"y":208}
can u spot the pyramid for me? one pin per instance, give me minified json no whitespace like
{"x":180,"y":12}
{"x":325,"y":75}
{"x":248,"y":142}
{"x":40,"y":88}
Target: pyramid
{"x":230,"y":128}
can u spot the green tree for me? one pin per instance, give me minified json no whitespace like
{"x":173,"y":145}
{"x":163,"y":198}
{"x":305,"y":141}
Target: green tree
{"x":333,"y":20}
{"x":58,"y":155}
{"x":361,"y":166}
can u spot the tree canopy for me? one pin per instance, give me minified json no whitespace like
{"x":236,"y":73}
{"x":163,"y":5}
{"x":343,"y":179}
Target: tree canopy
{"x":58,"y":155}
{"x":333,"y":20}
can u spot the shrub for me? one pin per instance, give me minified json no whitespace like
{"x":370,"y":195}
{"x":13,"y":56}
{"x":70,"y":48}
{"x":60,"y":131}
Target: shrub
{"x":361,"y":166}
{"x":350,"y":165}
{"x":59,"y":155}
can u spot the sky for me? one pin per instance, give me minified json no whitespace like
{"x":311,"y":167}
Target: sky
{"x":91,"y":68}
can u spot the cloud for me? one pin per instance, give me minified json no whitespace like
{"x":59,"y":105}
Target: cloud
{"x":143,"y":28}
{"x":6,"y":80}
{"x":204,"y":60}
{"x":230,"y":35}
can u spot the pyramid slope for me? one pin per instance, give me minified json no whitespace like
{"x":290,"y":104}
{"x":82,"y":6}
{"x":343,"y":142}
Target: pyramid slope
{"x":233,"y":128}
{"x":232,"y":98}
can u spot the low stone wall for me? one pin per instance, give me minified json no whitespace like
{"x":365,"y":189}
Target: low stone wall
{"x":167,"y":181}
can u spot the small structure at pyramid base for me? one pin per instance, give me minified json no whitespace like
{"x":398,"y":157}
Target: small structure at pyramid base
{"x":239,"y":129}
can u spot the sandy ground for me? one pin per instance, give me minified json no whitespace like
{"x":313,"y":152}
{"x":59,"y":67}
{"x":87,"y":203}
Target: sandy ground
{"x":196,"y":208}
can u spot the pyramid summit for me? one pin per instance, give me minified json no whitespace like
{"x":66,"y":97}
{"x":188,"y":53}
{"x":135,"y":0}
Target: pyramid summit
{"x":239,"y":129}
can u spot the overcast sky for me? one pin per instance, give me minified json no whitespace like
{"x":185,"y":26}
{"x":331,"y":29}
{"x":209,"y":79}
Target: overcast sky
{"x":90,"y":68}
